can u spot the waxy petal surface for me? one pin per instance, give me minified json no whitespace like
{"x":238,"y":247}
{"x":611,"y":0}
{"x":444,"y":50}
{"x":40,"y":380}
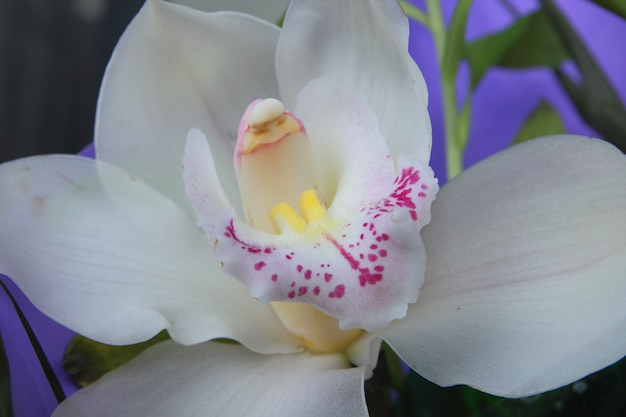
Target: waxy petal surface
{"x":526,"y":278}
{"x":107,"y":256}
{"x":270,"y":10}
{"x":202,"y":186}
{"x":174,"y":69}
{"x":353,"y":161}
{"x":213,"y":379}
{"x":364,"y":48}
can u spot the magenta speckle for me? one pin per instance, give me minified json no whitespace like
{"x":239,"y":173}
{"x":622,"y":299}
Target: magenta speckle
{"x":372,"y":247}
{"x":382,"y":253}
{"x":371,"y":257}
{"x":307,"y":274}
{"x":267,"y":250}
{"x":291,"y":294}
{"x":302,"y":290}
{"x":328,"y":277}
{"x":274,"y":277}
{"x":316,"y":290}
{"x":259,"y":265}
{"x":379,"y":268}
{"x":338,"y":292}
{"x":299,"y":268}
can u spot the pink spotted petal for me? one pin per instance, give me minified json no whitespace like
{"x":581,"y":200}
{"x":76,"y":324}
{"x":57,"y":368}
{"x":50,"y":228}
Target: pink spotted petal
{"x":364,"y":272}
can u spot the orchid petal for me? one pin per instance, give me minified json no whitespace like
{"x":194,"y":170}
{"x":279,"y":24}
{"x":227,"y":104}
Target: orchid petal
{"x":363,"y":269}
{"x":174,"y":69}
{"x":116,"y":261}
{"x":270,"y":10}
{"x":202,"y":185}
{"x":353,"y":161}
{"x":214,"y":379}
{"x":526,"y":277}
{"x":373,"y":63}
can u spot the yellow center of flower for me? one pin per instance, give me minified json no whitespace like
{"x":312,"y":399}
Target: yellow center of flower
{"x":276,"y":172}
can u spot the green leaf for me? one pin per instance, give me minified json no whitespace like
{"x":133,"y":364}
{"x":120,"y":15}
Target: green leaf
{"x":595,"y":99}
{"x":543,"y":120}
{"x":87,"y":360}
{"x":530,"y":41}
{"x":6,"y":406}
{"x":455,"y":40}
{"x":616,"y":6}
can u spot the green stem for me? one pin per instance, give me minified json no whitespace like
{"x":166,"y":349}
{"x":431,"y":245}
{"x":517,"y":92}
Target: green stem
{"x":414,"y":13}
{"x":437,"y":27}
{"x":454,"y":157}
{"x":454,"y":147}
{"x":448,"y":46}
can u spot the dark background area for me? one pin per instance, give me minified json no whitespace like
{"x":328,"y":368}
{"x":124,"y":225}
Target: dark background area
{"x":52,"y":57}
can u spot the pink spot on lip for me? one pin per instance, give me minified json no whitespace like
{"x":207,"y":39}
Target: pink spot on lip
{"x":302,"y":290}
{"x":328,"y":277}
{"x":316,"y":290}
{"x":379,"y":268}
{"x":307,"y":274}
{"x":259,"y":265}
{"x":299,"y":268}
{"x":382,"y":253}
{"x":274,"y":277}
{"x":291,"y":294}
{"x":367,"y":277}
{"x":354,"y":264}
{"x":371,"y":257}
{"x":338,"y":292}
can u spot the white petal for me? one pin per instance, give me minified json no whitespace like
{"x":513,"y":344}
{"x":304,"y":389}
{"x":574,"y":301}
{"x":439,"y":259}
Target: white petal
{"x":270,"y":10}
{"x":175,"y":69}
{"x":353,"y":162}
{"x":120,"y":263}
{"x":363,"y":268}
{"x":215,"y":379}
{"x":202,"y":185}
{"x":363,"y":45}
{"x":526,"y":277}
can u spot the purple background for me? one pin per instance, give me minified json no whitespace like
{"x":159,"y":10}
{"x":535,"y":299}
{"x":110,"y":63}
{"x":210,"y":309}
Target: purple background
{"x":501,"y":103}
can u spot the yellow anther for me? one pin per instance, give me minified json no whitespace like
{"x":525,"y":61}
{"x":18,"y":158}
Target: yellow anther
{"x":283,"y":214}
{"x":312,"y":209}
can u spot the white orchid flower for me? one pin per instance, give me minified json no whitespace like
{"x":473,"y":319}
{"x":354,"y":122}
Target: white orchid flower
{"x":524,"y":285}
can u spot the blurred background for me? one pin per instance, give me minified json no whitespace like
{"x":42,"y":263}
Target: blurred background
{"x":52,"y":57}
